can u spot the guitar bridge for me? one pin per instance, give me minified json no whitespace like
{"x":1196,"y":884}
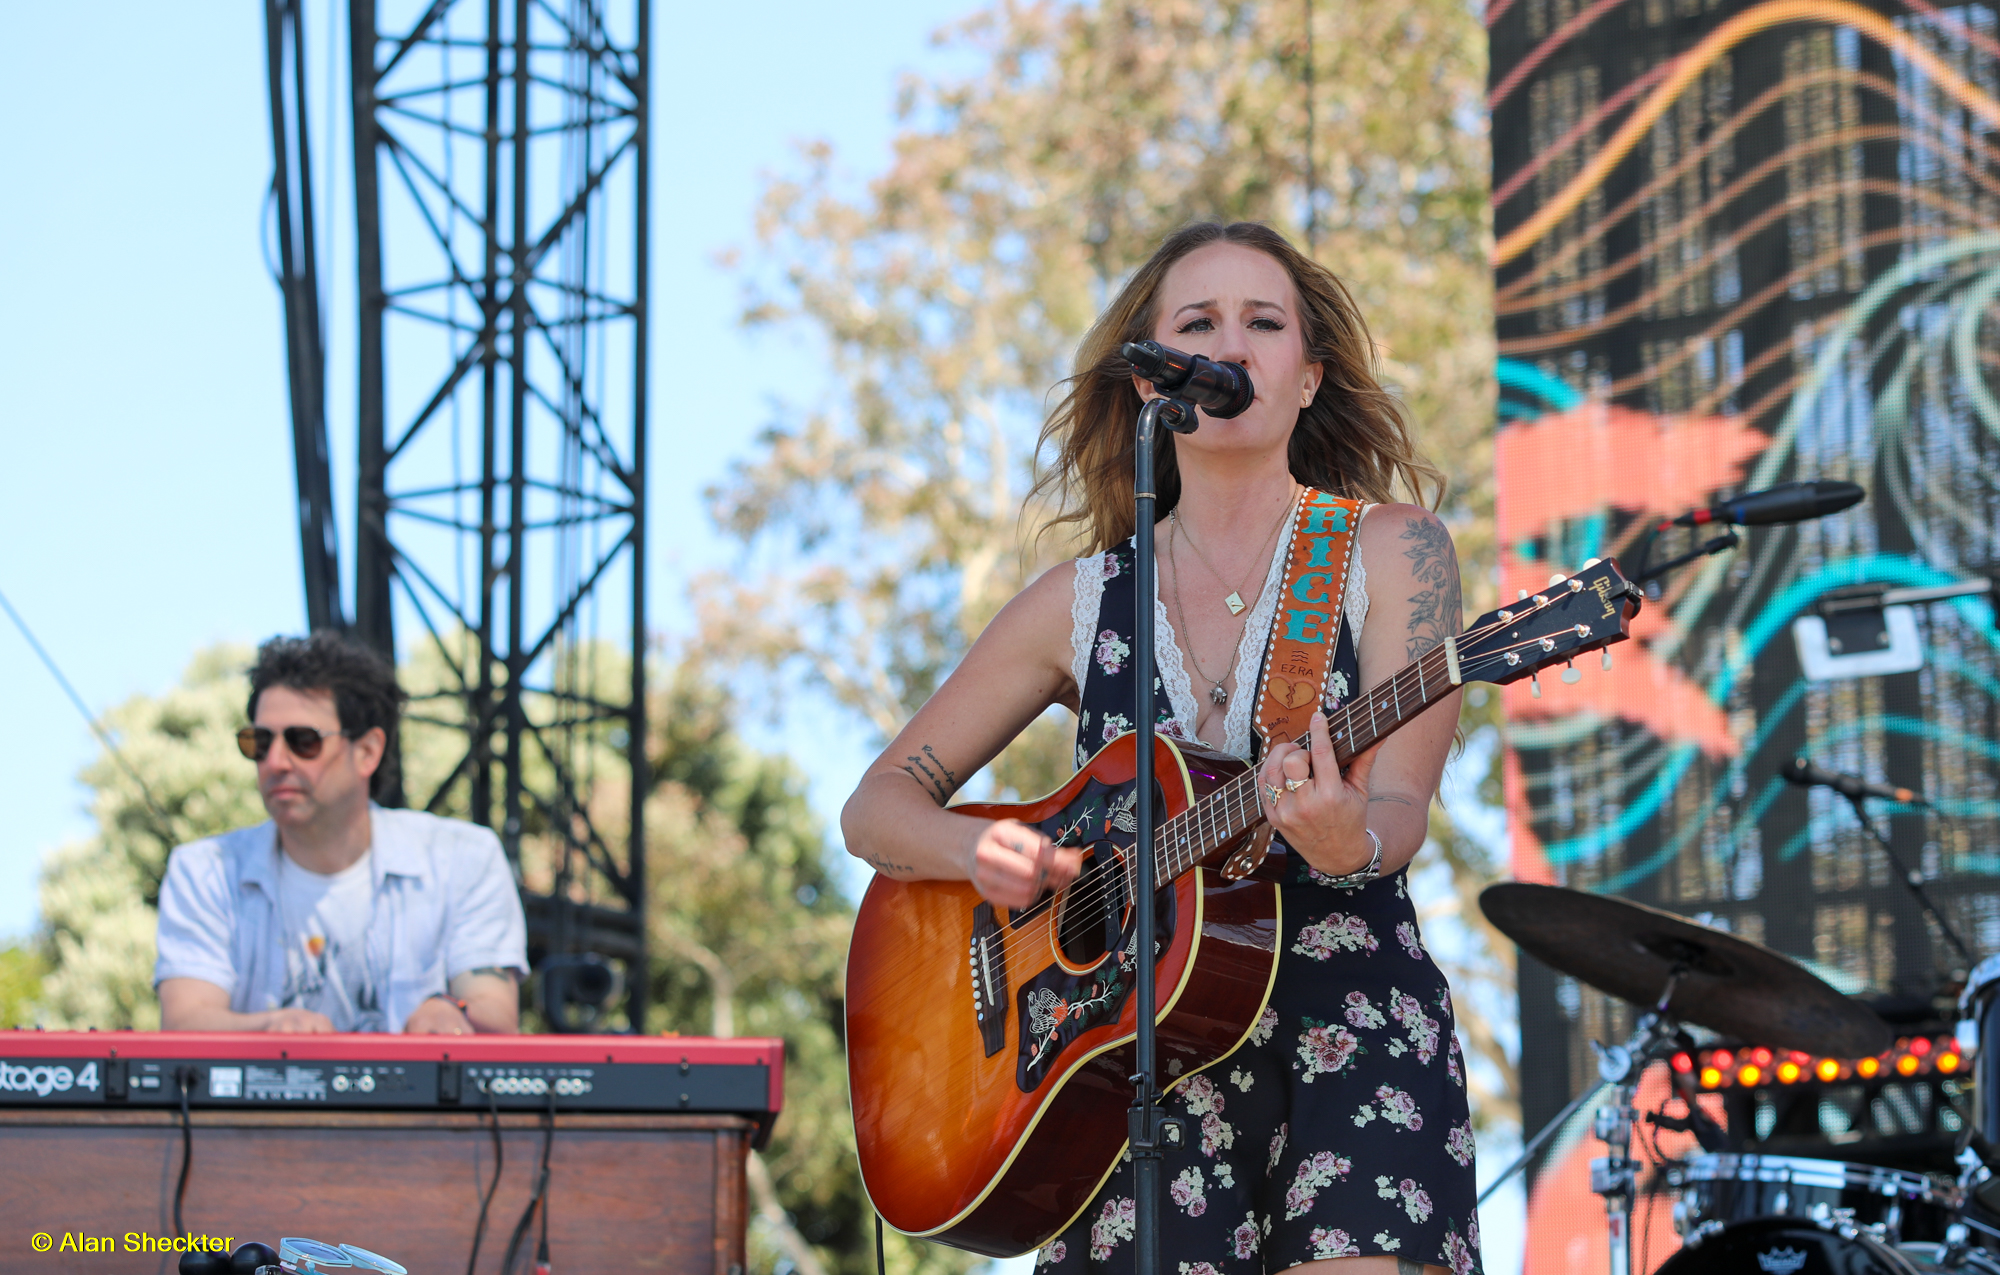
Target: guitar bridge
{"x":988,"y":954}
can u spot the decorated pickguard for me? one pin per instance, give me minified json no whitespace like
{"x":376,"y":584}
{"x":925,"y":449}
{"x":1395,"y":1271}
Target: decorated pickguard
{"x":1057,"y":1005}
{"x":1101,"y":812}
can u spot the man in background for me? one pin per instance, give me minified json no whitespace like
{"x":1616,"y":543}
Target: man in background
{"x":337,"y":914}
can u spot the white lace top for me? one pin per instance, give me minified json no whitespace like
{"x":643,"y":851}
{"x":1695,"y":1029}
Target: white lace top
{"x":1167,"y":654}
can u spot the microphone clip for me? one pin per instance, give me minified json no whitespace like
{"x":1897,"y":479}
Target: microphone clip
{"x":1168,"y":412}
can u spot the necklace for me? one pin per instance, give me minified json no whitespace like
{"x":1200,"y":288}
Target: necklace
{"x":1234,"y":601}
{"x":1216,"y":693}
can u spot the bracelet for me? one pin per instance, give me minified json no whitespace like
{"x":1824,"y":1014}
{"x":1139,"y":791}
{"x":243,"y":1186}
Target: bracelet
{"x":1365,"y":875}
{"x":463,"y":1008}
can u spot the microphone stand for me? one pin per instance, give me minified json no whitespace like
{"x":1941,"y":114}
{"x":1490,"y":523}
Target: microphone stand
{"x":1146,"y":1126}
{"x":1643,"y":574}
{"x":1912,"y":879}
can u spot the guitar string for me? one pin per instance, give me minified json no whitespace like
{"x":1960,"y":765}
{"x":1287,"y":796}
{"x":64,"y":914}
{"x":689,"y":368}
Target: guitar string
{"x":1173,"y":833}
{"x":1032,"y":922}
{"x":1171,"y":839}
{"x":1167,"y":837}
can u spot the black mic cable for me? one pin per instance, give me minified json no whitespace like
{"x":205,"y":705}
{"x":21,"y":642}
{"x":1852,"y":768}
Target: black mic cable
{"x":540,"y":1199}
{"x":486,"y":1200}
{"x":184,"y":1077}
{"x":1857,"y":790}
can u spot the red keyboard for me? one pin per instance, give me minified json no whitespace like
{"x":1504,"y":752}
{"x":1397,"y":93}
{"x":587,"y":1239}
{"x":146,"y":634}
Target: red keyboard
{"x":741,"y":1076}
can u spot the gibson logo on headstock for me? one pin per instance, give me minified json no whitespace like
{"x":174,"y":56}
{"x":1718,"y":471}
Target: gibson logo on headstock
{"x":1602,"y":588}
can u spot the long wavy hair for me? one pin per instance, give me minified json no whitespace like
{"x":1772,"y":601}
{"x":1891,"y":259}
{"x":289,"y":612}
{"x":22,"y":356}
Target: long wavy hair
{"x":1350,"y":440}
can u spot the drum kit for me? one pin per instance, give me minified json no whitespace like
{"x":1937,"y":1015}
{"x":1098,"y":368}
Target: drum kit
{"x":1736,"y":1210}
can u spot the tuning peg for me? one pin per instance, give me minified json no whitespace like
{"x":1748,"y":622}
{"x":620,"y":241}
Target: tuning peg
{"x":1570,"y":675}
{"x":1535,"y":686}
{"x":1522,"y":596}
{"x":1558,"y":578}
{"x":1606,"y":662}
{"x":1588,"y":563}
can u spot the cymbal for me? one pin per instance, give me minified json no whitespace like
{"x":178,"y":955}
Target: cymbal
{"x":1731,"y":985}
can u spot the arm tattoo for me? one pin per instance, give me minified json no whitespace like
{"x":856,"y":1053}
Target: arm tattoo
{"x":1401,"y":801}
{"x":1437,"y":611}
{"x":887,"y":868}
{"x":1406,"y":1266}
{"x":926,"y":769}
{"x":494,"y":971}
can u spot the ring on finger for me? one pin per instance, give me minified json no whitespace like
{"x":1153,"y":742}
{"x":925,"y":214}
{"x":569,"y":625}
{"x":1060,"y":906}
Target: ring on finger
{"x":1293,"y":785}
{"x":1277,"y":793}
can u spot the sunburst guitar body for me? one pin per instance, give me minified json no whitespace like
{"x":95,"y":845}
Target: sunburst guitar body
{"x":996,"y":1149}
{"x":990,"y":1053}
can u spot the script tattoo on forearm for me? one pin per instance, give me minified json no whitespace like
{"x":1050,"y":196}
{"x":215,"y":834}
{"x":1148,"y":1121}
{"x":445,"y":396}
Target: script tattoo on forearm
{"x":926,"y":769}
{"x":1437,"y":610}
{"x":887,"y":868}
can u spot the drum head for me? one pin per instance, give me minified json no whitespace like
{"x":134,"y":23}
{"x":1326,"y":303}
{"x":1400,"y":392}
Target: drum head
{"x":1783,"y":1246}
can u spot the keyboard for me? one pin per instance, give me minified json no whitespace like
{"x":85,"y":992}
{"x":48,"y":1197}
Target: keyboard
{"x":367,"y":1072}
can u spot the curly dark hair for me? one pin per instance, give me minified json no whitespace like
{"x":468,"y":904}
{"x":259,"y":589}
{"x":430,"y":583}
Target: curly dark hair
{"x":365,"y":693}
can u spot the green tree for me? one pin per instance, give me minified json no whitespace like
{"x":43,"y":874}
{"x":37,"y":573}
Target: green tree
{"x":21,"y":972}
{"x":98,"y":896}
{"x":950,"y":293}
{"x":750,"y":935}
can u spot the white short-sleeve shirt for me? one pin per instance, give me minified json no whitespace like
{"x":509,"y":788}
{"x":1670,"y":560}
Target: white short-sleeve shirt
{"x":445,"y":902}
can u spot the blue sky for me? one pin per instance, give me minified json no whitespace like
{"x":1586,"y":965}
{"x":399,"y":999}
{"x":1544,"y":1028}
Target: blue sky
{"x":146,"y":479}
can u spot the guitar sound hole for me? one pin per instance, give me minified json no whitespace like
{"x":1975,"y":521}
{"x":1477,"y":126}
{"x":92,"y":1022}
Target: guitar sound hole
{"x":1092,"y":911}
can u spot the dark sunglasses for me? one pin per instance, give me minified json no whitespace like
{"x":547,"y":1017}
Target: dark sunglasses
{"x":303,"y":741}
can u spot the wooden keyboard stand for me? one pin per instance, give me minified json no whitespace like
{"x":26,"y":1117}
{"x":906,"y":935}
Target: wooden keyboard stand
{"x":628,"y":1193}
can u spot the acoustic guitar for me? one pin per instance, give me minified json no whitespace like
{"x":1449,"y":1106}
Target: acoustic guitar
{"x":989,"y":1051}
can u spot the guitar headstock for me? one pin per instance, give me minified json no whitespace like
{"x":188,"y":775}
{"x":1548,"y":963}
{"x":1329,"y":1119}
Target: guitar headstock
{"x":1574,"y":614}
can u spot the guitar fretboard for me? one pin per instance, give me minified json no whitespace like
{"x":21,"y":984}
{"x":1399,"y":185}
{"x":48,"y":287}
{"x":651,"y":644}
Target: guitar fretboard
{"x":1233,"y":809}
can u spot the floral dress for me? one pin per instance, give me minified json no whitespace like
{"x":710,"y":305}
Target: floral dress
{"x":1340,"y":1128}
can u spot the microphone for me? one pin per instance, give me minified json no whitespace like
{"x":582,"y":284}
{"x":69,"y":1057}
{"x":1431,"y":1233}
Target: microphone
{"x":1222,"y":390}
{"x":1787,"y":502}
{"x":1806,"y":775}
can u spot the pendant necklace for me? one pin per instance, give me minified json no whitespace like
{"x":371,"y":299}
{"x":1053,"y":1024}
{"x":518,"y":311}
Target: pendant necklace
{"x":1234,"y":601}
{"x":1216,"y":693}
{"x":1237,"y":606}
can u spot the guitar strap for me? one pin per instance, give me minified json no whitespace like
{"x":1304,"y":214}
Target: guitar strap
{"x":1302,"y":638}
{"x":1308,"y":616}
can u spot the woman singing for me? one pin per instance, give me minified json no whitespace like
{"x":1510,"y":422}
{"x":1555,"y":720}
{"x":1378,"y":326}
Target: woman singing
{"x":1338,"y":1134}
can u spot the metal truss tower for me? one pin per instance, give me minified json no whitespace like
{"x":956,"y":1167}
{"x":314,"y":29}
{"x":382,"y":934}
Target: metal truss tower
{"x":500,"y":192}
